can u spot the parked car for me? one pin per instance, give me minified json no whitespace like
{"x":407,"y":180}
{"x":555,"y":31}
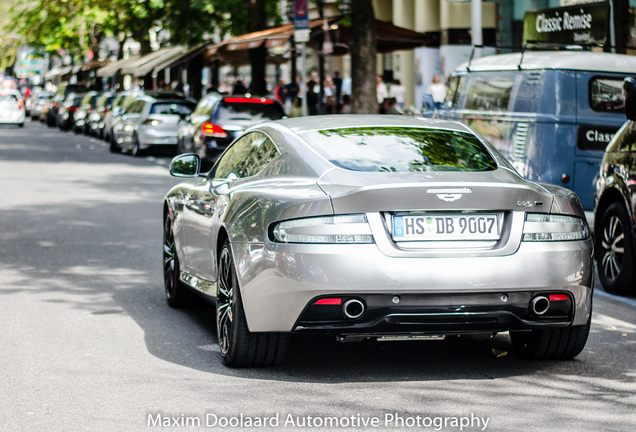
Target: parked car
{"x":112,"y":120}
{"x":38,"y":102}
{"x":615,"y":209}
{"x":61,"y":94}
{"x":386,"y":227}
{"x":97,"y":117}
{"x":84,"y":110}
{"x":113,"y":115}
{"x":192,"y":126}
{"x":150,"y":122}
{"x":66,"y":111}
{"x":210,"y":132}
{"x":12,"y":109}
{"x":551,"y":113}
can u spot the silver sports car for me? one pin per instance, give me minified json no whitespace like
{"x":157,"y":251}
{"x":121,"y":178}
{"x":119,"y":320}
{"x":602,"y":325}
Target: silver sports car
{"x":385,"y":227}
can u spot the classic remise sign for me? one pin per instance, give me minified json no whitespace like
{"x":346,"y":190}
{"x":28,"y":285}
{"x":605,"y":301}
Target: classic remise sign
{"x":581,"y":24}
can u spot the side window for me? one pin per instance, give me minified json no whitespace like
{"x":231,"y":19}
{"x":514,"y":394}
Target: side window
{"x":246,"y":157}
{"x":489,"y":93}
{"x":606,"y":94}
{"x":135,"y":107}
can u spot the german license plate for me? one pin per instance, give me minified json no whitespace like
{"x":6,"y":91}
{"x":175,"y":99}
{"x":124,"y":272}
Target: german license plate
{"x":440,"y":226}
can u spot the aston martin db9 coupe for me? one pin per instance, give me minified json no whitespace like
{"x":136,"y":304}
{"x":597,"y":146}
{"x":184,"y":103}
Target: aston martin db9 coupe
{"x":384,"y":227}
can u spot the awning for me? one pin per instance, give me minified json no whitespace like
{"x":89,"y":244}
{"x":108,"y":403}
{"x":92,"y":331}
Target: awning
{"x":148,"y":63}
{"x":182,"y":57}
{"x":389,"y":37}
{"x":112,"y":69}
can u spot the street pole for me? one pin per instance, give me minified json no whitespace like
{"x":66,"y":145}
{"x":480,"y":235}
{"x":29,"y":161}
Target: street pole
{"x":303,"y":79}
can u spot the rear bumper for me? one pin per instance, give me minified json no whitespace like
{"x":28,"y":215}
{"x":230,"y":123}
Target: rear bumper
{"x":279,"y":282}
{"x":433,"y":314}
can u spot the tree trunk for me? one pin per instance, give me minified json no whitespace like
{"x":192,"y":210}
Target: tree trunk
{"x":363,"y":46}
{"x":258,"y":56}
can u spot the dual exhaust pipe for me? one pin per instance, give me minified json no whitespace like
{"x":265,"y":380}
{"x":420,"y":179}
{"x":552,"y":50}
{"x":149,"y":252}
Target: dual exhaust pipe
{"x":353,"y":309}
{"x":540,"y":305}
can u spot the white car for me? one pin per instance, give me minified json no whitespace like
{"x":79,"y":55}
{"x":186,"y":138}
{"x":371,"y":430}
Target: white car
{"x":11,"y":107}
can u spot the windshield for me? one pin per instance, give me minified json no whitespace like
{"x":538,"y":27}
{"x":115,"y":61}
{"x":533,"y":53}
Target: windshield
{"x":394,"y":149}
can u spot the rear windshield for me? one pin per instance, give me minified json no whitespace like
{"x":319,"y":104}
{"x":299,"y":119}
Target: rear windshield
{"x":392,"y":149}
{"x":172,"y":108}
{"x":255,"y":111}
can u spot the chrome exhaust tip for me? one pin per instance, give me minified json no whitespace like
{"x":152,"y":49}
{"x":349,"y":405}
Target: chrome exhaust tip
{"x":353,"y":309}
{"x":540,"y":305}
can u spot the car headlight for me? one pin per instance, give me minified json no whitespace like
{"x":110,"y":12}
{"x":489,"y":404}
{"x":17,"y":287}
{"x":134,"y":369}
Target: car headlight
{"x":324,"y":229}
{"x":545,"y":227}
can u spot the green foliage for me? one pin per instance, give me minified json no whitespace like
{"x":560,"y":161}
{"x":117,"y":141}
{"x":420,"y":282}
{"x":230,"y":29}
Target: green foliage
{"x":77,"y":26}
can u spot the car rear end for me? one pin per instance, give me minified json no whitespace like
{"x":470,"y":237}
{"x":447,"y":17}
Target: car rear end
{"x":456,"y":243}
{"x":160,"y":126}
{"x":12,"y":110}
{"x":232,"y":115}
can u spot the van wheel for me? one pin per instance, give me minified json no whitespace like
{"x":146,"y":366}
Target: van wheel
{"x":558,"y":343}
{"x":239,"y":346}
{"x":615,"y":252}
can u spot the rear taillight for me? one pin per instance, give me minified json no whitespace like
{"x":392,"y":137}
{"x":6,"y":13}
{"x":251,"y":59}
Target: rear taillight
{"x":20,"y":104}
{"x":210,"y":129}
{"x":249,"y":100}
{"x":151,"y":122}
{"x":72,"y":109}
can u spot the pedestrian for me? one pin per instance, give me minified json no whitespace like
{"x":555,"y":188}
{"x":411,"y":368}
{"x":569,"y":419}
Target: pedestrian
{"x":312,"y":98}
{"x":398,"y":92}
{"x":381,"y":90}
{"x":329,"y":96}
{"x":281,"y":91}
{"x":437,"y":89}
{"x":239,"y":87}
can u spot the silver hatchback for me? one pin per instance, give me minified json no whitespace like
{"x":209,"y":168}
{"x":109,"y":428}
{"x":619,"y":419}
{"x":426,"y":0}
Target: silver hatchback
{"x":151,"y":122}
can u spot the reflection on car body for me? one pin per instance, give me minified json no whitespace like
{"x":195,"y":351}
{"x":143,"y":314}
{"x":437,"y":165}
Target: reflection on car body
{"x":326,"y":201}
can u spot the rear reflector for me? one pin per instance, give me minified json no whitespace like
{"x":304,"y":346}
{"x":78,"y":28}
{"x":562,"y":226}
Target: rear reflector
{"x":329,"y":301}
{"x":557,"y":297}
{"x":249,"y":100}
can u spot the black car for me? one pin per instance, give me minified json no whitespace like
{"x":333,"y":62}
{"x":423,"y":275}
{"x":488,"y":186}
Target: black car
{"x":66,"y":111}
{"x":62,"y":92}
{"x":615,"y":207}
{"x":212,"y":127}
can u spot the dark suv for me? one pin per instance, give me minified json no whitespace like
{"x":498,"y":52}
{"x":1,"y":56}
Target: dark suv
{"x":209,"y":134}
{"x":615,"y":209}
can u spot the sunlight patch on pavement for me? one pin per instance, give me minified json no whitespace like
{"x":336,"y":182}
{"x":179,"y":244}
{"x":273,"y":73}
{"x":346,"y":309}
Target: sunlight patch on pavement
{"x":612,"y":324}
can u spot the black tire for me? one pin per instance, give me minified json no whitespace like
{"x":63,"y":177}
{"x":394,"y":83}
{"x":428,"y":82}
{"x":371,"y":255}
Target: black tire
{"x":239,"y":346}
{"x":114,"y":148}
{"x":135,"y":151}
{"x":558,"y":343}
{"x":177,"y":294}
{"x":615,"y":257}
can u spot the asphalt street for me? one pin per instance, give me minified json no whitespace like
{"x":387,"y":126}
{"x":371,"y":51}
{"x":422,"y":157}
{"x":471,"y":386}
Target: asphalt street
{"x":88,"y":342}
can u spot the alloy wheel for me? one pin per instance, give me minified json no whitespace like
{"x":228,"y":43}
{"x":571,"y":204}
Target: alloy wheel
{"x":612,"y":248}
{"x":225,"y":301}
{"x":169,"y":260}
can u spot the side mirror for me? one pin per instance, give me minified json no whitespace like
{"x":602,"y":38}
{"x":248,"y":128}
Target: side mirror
{"x":185,"y":165}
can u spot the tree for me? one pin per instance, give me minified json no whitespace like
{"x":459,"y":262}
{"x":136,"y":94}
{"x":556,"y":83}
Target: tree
{"x":363,"y":47}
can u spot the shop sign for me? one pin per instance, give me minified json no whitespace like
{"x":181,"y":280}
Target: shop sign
{"x":580,"y":24}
